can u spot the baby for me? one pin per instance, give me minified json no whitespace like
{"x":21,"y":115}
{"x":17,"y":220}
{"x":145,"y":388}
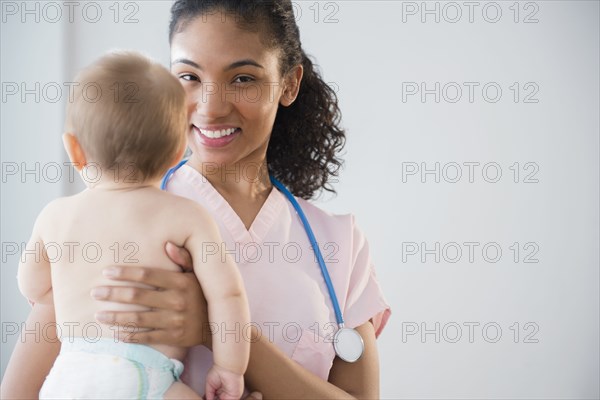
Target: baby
{"x":126,"y":125}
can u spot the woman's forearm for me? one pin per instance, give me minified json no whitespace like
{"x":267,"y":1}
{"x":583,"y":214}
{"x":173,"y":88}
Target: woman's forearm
{"x":270,"y":371}
{"x":33,"y":356}
{"x":277,"y":376}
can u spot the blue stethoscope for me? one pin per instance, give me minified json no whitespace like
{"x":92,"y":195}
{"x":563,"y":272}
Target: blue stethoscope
{"x":347,"y":342}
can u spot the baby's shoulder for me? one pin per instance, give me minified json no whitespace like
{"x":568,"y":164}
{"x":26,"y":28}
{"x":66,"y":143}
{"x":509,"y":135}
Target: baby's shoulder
{"x":52,"y":212}
{"x":188,"y":218}
{"x":57,"y":207}
{"x":181,"y":208}
{"x":179,"y":201}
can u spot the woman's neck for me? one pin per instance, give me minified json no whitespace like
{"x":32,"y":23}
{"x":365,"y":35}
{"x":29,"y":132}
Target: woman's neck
{"x":245,"y":186}
{"x":243,"y":180}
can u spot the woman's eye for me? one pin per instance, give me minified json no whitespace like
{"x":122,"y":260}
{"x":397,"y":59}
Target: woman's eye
{"x":188,"y":77}
{"x":244,"y":79}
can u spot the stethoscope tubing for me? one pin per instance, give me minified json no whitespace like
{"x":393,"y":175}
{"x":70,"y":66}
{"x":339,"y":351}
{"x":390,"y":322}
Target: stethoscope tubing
{"x":307,"y":228}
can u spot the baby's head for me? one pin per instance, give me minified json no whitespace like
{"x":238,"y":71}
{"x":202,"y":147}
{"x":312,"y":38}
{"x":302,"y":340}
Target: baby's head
{"x":128,"y":117}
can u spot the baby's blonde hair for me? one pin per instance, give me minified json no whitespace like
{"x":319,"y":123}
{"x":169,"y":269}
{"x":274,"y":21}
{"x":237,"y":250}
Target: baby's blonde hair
{"x":128,"y":113}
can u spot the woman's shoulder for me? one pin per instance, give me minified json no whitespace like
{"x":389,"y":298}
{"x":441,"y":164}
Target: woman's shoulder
{"x":339,"y":225}
{"x":317,"y":212}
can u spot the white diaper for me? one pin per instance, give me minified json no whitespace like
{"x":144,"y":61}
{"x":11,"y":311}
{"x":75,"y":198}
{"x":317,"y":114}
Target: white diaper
{"x":106,"y":369}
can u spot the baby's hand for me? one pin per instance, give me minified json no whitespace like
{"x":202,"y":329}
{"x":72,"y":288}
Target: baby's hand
{"x":223,"y":383}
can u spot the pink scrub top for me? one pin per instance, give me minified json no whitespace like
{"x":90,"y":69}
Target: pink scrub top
{"x":289,"y":301}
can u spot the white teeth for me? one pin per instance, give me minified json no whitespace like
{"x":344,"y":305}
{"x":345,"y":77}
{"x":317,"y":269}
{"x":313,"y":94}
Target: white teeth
{"x":217,"y":134}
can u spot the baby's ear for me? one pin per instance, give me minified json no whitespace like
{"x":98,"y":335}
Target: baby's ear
{"x":74,"y":150}
{"x":179,"y":155}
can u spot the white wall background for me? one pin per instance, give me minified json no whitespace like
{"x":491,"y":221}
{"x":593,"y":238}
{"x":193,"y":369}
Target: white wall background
{"x":374,"y":53}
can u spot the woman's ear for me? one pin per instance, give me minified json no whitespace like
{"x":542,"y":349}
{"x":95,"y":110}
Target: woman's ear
{"x":74,"y":150}
{"x":291,"y":85}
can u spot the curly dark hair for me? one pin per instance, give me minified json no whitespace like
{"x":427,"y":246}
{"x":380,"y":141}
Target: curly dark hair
{"x":306,"y":135}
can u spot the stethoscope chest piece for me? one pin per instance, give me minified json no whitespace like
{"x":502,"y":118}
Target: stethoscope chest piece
{"x":348,"y":344}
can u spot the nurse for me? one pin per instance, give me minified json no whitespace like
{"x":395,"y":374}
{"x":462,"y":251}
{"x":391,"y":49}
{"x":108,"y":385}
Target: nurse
{"x":257,"y":106}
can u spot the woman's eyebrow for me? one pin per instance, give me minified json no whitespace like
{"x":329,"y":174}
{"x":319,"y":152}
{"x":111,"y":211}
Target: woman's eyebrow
{"x":234,"y":65}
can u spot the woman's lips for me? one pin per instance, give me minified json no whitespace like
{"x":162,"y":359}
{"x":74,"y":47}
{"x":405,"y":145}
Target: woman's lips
{"x":216,"y":142}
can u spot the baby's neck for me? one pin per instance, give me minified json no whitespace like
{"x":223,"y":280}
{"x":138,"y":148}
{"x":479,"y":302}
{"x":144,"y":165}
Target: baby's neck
{"x":123,"y":185}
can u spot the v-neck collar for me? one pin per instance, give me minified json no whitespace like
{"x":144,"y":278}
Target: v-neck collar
{"x":263,"y":221}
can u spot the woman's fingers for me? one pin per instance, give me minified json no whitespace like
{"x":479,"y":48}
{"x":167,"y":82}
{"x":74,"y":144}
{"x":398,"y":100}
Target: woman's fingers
{"x":144,"y":327}
{"x":254,"y":396}
{"x":178,"y":312}
{"x":172,"y":334}
{"x":171,"y":300}
{"x":179,"y":256}
{"x":135,"y":320}
{"x":157,"y":277}
{"x":159,"y":336}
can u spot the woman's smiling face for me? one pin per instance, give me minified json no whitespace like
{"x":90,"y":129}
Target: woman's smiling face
{"x":233,"y":88}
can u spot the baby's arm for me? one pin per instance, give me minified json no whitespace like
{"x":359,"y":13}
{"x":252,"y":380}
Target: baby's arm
{"x":34,"y":266}
{"x":227,"y":305}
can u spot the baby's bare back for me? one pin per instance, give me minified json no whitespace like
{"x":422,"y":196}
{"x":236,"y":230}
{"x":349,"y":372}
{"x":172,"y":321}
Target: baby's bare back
{"x":97,"y":228}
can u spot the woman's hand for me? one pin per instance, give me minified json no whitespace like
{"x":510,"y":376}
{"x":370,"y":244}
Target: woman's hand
{"x":178,"y":315}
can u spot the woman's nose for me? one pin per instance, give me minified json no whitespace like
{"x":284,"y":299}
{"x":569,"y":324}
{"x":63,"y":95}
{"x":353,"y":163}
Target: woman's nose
{"x":214,"y":101}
